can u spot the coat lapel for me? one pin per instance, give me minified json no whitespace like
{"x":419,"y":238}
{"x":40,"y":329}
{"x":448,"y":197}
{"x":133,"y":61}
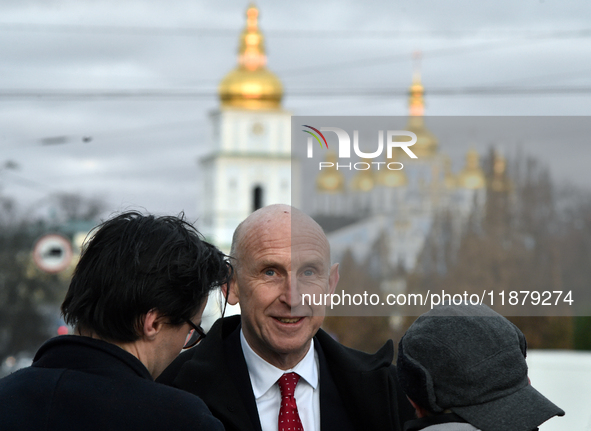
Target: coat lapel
{"x":333,"y":414}
{"x":240,"y":376}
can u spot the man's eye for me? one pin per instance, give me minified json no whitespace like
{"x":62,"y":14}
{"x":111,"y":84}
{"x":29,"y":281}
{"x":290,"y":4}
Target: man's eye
{"x":270,"y":272}
{"x":308,"y":273}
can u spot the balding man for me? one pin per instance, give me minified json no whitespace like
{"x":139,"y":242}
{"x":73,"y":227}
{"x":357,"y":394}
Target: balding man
{"x":273,"y":368}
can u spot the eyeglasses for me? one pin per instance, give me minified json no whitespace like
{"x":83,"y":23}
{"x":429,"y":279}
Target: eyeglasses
{"x":195,"y":335}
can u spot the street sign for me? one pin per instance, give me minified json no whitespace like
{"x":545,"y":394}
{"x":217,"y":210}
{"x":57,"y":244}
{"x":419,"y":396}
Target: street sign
{"x":52,"y":253}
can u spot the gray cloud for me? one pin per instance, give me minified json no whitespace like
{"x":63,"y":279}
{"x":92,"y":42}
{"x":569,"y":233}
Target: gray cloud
{"x":143,"y":150}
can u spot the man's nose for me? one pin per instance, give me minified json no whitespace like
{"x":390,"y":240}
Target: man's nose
{"x":290,"y":294}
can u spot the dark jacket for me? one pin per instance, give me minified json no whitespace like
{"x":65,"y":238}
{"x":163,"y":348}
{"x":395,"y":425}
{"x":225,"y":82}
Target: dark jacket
{"x":80,"y":383}
{"x":358,"y":391}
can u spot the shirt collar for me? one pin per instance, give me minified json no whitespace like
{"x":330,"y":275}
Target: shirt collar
{"x":263,"y":375}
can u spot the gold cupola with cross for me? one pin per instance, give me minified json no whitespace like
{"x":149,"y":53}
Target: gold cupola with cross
{"x":249,"y":163}
{"x":330,"y":180}
{"x":251,"y":85}
{"x":472,"y":176}
{"x":426,"y":144}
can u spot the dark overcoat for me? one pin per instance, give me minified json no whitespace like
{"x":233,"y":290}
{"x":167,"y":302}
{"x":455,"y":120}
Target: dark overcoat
{"x":80,"y":383}
{"x":358,"y":391}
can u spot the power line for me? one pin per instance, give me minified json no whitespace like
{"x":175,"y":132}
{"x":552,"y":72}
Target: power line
{"x":191,"y":94}
{"x":446,"y":91}
{"x":106,"y":94}
{"x":443,"y":91}
{"x":296,"y":33}
{"x":358,"y":63}
{"x":403,"y":57}
{"x":390,"y":58}
{"x":91,"y":136}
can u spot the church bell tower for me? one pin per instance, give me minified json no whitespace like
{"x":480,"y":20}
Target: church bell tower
{"x":249,"y":165}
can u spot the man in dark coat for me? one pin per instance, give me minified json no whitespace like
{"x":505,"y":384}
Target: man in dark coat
{"x":135,"y":300}
{"x":280,"y":253}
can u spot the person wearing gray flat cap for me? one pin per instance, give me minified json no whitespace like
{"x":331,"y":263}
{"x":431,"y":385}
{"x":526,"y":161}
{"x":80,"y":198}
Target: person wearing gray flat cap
{"x":463,"y":368}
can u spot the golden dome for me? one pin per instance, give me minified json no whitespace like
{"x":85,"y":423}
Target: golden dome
{"x":363,"y":181}
{"x":472,"y":176}
{"x":330,"y":180}
{"x":416,"y":102}
{"x":391,"y":178}
{"x":251,"y":85}
{"x":426,"y":144}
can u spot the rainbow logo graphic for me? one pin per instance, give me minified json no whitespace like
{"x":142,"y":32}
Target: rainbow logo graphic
{"x":315,"y":136}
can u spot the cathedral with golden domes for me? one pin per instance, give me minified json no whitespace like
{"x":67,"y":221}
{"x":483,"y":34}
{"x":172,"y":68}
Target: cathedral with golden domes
{"x":400,"y":204}
{"x":250,"y":165}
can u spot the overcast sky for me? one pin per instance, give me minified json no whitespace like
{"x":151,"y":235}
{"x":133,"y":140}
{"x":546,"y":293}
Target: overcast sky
{"x":65,"y":64}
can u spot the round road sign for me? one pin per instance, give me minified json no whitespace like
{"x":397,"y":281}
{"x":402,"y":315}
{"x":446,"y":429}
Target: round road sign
{"x":52,"y":253}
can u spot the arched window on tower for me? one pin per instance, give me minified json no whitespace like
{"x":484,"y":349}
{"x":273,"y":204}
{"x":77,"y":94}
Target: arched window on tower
{"x":257,"y":198}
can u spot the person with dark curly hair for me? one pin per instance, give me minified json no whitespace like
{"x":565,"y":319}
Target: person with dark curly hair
{"x":135,"y":301}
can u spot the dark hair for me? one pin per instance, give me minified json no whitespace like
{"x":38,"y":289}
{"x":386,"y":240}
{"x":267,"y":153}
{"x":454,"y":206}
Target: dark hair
{"x":135,"y":263}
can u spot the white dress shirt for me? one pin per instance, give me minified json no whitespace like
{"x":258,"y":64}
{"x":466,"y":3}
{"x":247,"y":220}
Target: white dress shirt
{"x":263,"y":378}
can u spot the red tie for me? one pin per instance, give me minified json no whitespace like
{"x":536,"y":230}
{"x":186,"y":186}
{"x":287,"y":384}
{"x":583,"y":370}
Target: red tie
{"x":289,"y":418}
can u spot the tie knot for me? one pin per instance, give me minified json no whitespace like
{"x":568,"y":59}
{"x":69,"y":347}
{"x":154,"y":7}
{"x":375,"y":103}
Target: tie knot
{"x":287,"y":384}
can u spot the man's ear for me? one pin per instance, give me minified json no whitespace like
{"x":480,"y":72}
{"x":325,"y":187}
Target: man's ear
{"x":152,"y":324}
{"x":231,"y":291}
{"x":333,"y":278}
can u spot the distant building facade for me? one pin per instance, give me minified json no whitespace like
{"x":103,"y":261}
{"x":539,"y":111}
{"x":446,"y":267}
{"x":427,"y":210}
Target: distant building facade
{"x":401,"y":209}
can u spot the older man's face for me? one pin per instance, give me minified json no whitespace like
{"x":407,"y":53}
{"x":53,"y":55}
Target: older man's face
{"x":273,"y":268}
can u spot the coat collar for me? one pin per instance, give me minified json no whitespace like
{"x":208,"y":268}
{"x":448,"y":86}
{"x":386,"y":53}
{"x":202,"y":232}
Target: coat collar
{"x":87,"y":354}
{"x":357,"y":374}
